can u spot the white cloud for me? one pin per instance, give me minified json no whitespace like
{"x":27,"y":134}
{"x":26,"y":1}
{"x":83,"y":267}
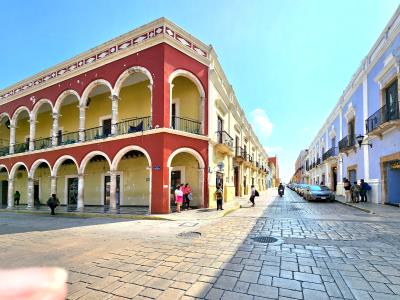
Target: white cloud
{"x":261,"y":123}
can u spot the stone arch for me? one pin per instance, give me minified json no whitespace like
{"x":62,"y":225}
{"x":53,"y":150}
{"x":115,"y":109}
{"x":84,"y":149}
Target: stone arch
{"x":188,"y":75}
{"x":3,"y":115}
{"x":5,"y":167}
{"x":17,"y":113}
{"x":36,"y":164}
{"x":125,"y":150}
{"x":89,"y":156}
{"x":196,"y":154}
{"x":38,"y":105}
{"x":15,"y":168}
{"x":90,"y":87}
{"x":124,"y":75}
{"x":61,"y":98}
{"x":59,"y":162}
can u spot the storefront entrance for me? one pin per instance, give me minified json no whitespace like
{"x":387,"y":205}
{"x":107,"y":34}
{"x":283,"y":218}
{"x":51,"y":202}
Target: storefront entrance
{"x":72,"y":192}
{"x":392,"y":175}
{"x":107,"y":189}
{"x":236,"y":181}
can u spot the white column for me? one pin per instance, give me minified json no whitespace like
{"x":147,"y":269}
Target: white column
{"x":365,"y":112}
{"x":30,"y":192}
{"x":12,"y":138}
{"x":113,"y":191}
{"x":53,"y":185}
{"x":114,"y":114}
{"x":55,"y":129}
{"x":81,"y":185}
{"x":82,"y":116}
{"x":171,"y":86}
{"x":201,"y":185}
{"x":150,"y":87}
{"x":202,"y":114}
{"x":32,"y":129}
{"x":10,"y":196}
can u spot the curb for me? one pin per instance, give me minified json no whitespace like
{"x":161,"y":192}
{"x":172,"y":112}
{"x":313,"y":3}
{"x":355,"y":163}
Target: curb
{"x":91,"y":215}
{"x":357,"y":207}
{"x":231,"y":210}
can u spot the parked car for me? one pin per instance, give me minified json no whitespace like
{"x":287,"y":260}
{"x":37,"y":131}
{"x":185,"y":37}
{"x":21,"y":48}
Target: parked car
{"x":302,"y":188}
{"x":318,"y":192}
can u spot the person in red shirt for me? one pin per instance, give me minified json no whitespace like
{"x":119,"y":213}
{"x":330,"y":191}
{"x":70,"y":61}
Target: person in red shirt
{"x":187,"y":195}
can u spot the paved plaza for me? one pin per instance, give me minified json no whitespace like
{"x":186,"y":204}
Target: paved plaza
{"x":323,"y":251}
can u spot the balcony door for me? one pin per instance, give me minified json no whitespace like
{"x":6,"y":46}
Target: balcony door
{"x":106,"y":127}
{"x":392,"y":102}
{"x":220,"y":126}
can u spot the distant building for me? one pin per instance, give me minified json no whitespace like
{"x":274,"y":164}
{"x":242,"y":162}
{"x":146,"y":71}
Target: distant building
{"x":274,"y":166}
{"x":300,"y":175}
{"x":368,"y":111}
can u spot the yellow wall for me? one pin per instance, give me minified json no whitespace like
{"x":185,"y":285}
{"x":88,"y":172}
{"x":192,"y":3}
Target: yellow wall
{"x":134,"y":101}
{"x":100,"y":106}
{"x":43,"y":176}
{"x":21,"y":185}
{"x":22,"y":129}
{"x":4,"y":136}
{"x":44,"y":124}
{"x":189,"y":98}
{"x":63,"y":171}
{"x":191,"y":168}
{"x":69,"y":117}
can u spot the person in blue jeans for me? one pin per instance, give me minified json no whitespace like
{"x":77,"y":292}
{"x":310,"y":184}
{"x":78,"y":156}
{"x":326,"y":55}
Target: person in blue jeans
{"x":364,"y":189}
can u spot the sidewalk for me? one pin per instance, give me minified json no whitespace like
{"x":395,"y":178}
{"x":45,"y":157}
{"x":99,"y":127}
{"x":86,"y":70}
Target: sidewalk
{"x":373,"y":208}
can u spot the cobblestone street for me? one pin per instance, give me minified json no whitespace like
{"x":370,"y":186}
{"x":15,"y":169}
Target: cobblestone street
{"x":323,"y":251}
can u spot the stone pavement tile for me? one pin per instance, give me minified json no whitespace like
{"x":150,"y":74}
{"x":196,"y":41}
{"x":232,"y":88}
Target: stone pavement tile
{"x":142,"y":280}
{"x":380,"y":287}
{"x":306,"y":262}
{"x":265,"y":280}
{"x":307,"y":277}
{"x":357,"y":283}
{"x":118,"y":273}
{"x":74,"y":277}
{"x":290,"y":294}
{"x":382,"y":296}
{"x":159,"y":271}
{"x":305,"y":269}
{"x":252,"y":262}
{"x":233,"y":267}
{"x":290,"y":266}
{"x":394,"y":279}
{"x":128,"y":290}
{"x":72,"y":288}
{"x":214,"y":294}
{"x":90,"y":279}
{"x":286,"y":274}
{"x":350,"y":273}
{"x":95,"y":295}
{"x":127,"y":267}
{"x":171,"y":293}
{"x":332,"y":289}
{"x":79,"y":294}
{"x":150,"y":293}
{"x":231,"y":273}
{"x":361,"y":295}
{"x":199,"y":289}
{"x":113,"y":297}
{"x":210,"y":271}
{"x":158,"y":283}
{"x":374,"y":276}
{"x":241,"y":287}
{"x":388,"y":270}
{"x":132,"y":277}
{"x":394,"y":288}
{"x":103,"y":282}
{"x":263,"y":290}
{"x":249,"y":276}
{"x":112,"y":287}
{"x":252,"y":268}
{"x":286,"y":283}
{"x":270,"y":270}
{"x":314,"y":295}
{"x":320,"y":271}
{"x":209,"y":279}
{"x":228,"y":295}
{"x":186,"y":277}
{"x":225,"y":282}
{"x":180,"y":285}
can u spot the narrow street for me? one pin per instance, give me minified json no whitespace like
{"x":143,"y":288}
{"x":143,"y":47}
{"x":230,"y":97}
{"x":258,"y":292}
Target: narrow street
{"x":322,"y":251}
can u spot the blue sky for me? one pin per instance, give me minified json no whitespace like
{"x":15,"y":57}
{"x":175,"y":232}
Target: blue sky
{"x":288,"y":60}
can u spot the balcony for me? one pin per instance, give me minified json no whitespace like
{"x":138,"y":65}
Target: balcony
{"x":347,"y":144}
{"x":134,"y":125}
{"x":4,"y":151}
{"x":97,"y":133}
{"x":187,"y":125}
{"x":318,"y":161}
{"x":68,"y":138}
{"x":240,"y":154}
{"x":330,"y":154}
{"x":42,"y":143}
{"x":382,"y":120}
{"x":20,"y":148}
{"x":224,"y":142}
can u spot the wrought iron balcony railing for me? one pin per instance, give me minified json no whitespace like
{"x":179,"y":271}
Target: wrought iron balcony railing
{"x":347,"y":142}
{"x":224,"y":138}
{"x":240,"y":152}
{"x":96,"y":133}
{"x":249,"y":158}
{"x":42,"y":143}
{"x":330,"y":153}
{"x":4,"y":151}
{"x":68,"y":138}
{"x":22,"y":147}
{"x":383,"y":115}
{"x":187,"y":125}
{"x":134,"y":125}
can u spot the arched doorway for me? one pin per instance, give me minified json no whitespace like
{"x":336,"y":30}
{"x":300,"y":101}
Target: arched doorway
{"x":18,"y":190}
{"x":21,"y":123}
{"x":3,"y":186}
{"x":187,"y":167}
{"x":41,"y":177}
{"x":67,"y":112}
{"x":42,"y":116}
{"x":131,"y":166}
{"x":5,"y":125}
{"x":65,"y":181}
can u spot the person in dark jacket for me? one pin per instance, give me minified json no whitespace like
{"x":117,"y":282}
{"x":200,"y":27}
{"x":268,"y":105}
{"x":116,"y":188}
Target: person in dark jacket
{"x":17,"y":197}
{"x":53,"y":202}
{"x":364,"y":189}
{"x":219,"y":195}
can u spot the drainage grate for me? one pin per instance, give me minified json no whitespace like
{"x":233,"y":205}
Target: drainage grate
{"x":264,"y":239}
{"x":189,"y":235}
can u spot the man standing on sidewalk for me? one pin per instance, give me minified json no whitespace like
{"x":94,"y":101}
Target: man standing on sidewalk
{"x":364,"y":189}
{"x":347,"y":186}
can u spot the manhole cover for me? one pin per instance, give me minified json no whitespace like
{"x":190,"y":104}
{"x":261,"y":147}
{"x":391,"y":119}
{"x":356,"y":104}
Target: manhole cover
{"x":264,"y":239}
{"x":189,"y":235}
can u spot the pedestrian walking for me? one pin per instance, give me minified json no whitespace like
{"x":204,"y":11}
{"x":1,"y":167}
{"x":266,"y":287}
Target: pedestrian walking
{"x":347,"y":186}
{"x":219,"y":195}
{"x":53,"y":202}
{"x":253,"y":195}
{"x":17,"y":197}
{"x":187,"y":195}
{"x":355,"y":192}
{"x":178,"y":197}
{"x":365,"y":187}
